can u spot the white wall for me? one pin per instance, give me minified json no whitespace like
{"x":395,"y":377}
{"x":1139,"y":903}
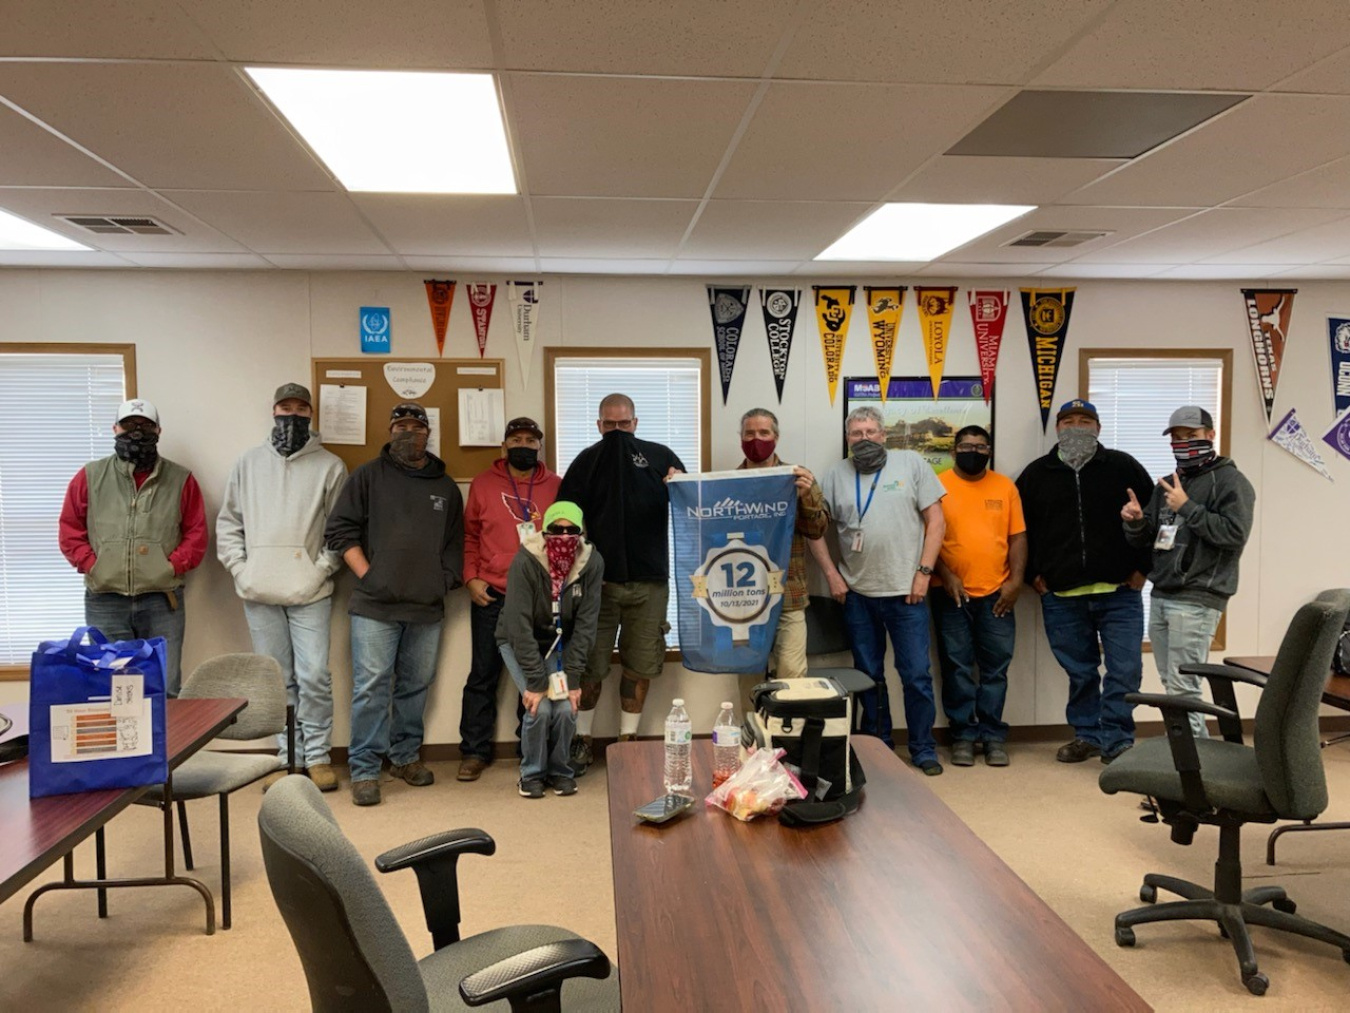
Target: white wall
{"x":212,"y":346}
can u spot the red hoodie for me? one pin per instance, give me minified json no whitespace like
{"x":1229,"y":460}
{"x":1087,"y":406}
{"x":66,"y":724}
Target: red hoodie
{"x":497,"y":503}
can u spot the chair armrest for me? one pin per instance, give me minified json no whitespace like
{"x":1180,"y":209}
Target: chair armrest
{"x":1166,"y":701}
{"x":542,"y":969}
{"x":468,"y":841}
{"x":1181,"y":740}
{"x":1228,"y":673}
{"x":435,"y":859}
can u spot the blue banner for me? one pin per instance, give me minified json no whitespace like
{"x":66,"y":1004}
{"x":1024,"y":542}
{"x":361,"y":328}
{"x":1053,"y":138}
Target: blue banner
{"x":375,"y":329}
{"x":733,"y":544}
{"x":1338,"y":330}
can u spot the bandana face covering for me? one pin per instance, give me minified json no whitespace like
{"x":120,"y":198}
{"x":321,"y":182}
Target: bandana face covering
{"x":289,"y":433}
{"x":868,"y":456}
{"x":1192,"y":454}
{"x":756,"y":451}
{"x":1076,"y":446}
{"x":138,"y":447}
{"x":408,"y":448}
{"x":562,"y":553}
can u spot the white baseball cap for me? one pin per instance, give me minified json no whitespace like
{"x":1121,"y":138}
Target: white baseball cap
{"x":137,"y":407}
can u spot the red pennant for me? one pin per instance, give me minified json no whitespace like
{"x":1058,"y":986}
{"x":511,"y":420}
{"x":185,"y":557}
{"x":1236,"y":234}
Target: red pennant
{"x":440,"y":296}
{"x":481,"y":297}
{"x":988,"y":312}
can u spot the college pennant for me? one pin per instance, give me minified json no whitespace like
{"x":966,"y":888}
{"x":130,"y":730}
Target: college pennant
{"x":1290,"y":434}
{"x":481,"y":297}
{"x":1338,"y":436}
{"x":988,"y":313}
{"x":1047,"y":318}
{"x":1268,"y":312}
{"x":884,"y":306}
{"x":834,"y":306}
{"x":523,"y":298}
{"x":728,"y":307}
{"x":780,"y":317}
{"x":935,"y":320}
{"x":1338,"y":331}
{"x":440,"y":296}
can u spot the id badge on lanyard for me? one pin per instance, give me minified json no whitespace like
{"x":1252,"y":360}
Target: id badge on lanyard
{"x":857,"y":544}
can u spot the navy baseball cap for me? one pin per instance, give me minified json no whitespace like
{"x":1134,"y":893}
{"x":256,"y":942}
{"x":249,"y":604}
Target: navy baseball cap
{"x":1078,"y":407}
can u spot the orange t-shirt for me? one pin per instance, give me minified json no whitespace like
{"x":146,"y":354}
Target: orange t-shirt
{"x":981,"y":517}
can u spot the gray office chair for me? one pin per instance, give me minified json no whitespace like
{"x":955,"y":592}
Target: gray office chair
{"x":827,"y":633}
{"x":257,"y":678}
{"x":355,"y":955}
{"x":1224,"y":783}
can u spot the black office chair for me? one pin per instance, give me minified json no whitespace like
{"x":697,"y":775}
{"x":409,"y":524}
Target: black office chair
{"x":354,"y":953}
{"x":1225,"y":783}
{"x":827,"y":633}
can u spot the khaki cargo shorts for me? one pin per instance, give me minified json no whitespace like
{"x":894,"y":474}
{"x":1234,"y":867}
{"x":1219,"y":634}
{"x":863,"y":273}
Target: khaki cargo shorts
{"x":635,"y":614}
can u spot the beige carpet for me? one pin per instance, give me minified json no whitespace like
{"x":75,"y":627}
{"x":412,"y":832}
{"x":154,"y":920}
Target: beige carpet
{"x":1082,"y":851}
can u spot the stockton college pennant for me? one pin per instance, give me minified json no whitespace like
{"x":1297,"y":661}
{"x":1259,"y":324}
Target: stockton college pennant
{"x":988,"y":313}
{"x":1047,"y":318}
{"x":440,"y":296}
{"x":834,"y":307}
{"x":884,"y":306}
{"x":935,"y":320}
{"x":780,"y":317}
{"x":523,"y":298}
{"x":481,"y":298}
{"x":728,"y":307}
{"x":1268,"y":312}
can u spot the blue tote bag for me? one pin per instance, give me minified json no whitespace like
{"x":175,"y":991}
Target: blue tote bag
{"x":96,"y":715}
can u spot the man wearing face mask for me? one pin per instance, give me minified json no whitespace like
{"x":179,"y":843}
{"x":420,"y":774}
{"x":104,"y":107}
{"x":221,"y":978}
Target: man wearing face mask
{"x":1197,"y":522}
{"x":887,"y":509}
{"x":399,"y":526}
{"x":981,"y":568}
{"x":134,"y":525}
{"x":269,"y":536}
{"x":506,"y":505}
{"x":1088,"y":577}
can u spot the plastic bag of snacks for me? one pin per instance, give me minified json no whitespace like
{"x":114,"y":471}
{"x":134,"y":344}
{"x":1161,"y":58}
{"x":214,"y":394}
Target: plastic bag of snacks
{"x":760,"y":787}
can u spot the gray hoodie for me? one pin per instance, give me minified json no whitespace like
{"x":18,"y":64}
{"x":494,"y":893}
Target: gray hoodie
{"x":270,"y":531}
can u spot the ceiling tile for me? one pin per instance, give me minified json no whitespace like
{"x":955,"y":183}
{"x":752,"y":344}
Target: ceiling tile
{"x":1079,"y":269}
{"x":860,"y":269}
{"x":525,"y":266}
{"x":34,"y":157}
{"x":847,"y":142}
{"x":191,"y":127}
{"x":1254,"y":273}
{"x":956,"y":42}
{"x":773,"y":230}
{"x":1313,"y":272}
{"x":284,"y":222}
{"x":1306,"y":246}
{"x":1327,"y":186}
{"x":111,"y":29}
{"x":581,"y":265}
{"x":1207,"y":235}
{"x":439,"y":225}
{"x":567,"y":227}
{"x":1121,"y":223}
{"x":68,"y":259}
{"x":1235,"y":45}
{"x":747,"y":269}
{"x":200,"y":261}
{"x":957,"y":272}
{"x":969,"y":179}
{"x":622,"y":137}
{"x":1329,"y":77}
{"x":334,"y":262}
{"x":40,"y":206}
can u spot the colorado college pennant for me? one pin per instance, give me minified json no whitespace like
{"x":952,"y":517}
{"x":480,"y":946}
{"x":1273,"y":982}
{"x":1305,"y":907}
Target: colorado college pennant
{"x":780,"y":318}
{"x":728,"y":316}
{"x":834,"y":307}
{"x":935,"y":320}
{"x":988,"y":313}
{"x":440,"y":297}
{"x":884,"y":306}
{"x":1047,"y":318}
{"x":1268,"y":312}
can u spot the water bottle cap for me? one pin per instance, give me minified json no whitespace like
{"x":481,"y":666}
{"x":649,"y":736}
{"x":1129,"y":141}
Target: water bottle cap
{"x":726,"y":705}
{"x":678,"y":702}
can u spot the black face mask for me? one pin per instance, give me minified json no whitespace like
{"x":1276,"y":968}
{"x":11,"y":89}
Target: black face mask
{"x":138,"y":447}
{"x":522,"y":458}
{"x":289,"y":433}
{"x":971,"y":462}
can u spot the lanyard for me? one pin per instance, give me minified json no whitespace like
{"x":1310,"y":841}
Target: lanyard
{"x":857,"y":491}
{"x":556,"y":648}
{"x":524,"y":504}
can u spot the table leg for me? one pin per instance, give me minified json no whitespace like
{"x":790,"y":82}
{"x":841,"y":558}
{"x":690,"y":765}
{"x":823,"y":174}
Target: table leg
{"x":101,"y":870}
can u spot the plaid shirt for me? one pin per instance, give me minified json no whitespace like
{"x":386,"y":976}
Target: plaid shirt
{"x":811,"y":523}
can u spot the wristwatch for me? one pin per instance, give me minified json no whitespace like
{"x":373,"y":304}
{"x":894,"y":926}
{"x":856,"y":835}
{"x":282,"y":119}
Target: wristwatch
{"x":927,"y":571}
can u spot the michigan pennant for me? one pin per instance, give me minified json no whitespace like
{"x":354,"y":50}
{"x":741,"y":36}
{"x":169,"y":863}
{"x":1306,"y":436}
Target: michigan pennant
{"x":440,"y":296}
{"x":728,"y":316}
{"x":884,"y":306}
{"x":834,"y":307}
{"x":935,"y":320}
{"x":1338,"y":330}
{"x":780,"y":318}
{"x":1268,"y":312}
{"x":1290,"y":435}
{"x":523,"y":297}
{"x":481,"y":298}
{"x":988,"y":313}
{"x":1047,"y":317}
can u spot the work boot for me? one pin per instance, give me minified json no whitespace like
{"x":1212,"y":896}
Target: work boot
{"x":366,"y":792}
{"x":415,"y":773}
{"x":963,"y":753}
{"x":273,"y":778}
{"x":323,"y":776}
{"x":471,"y":768}
{"x":1077,"y":751}
{"x":995,"y":755}
{"x":581,"y":756}
{"x":1108,"y":757}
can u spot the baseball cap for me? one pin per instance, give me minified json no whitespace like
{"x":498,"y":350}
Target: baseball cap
{"x":1189,"y":417}
{"x":409,"y":410}
{"x":137,"y":407}
{"x":523,"y":425}
{"x":293,"y":390}
{"x":563,"y":510}
{"x":1078,"y":407}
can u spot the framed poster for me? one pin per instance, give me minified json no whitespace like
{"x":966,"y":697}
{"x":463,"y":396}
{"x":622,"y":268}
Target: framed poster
{"x":914,"y":420}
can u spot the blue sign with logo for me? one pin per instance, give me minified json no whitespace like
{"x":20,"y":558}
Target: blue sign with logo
{"x":375,"y":329}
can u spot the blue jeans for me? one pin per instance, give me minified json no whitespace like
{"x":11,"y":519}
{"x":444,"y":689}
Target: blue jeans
{"x":297,"y":636}
{"x":140,"y":617}
{"x":546,"y":735}
{"x":393,"y":665}
{"x":1181,"y":632}
{"x":1074,"y":626}
{"x":869,"y":620}
{"x":970,"y":635}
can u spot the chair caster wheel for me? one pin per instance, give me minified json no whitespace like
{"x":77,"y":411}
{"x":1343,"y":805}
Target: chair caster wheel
{"x":1148,"y":894}
{"x":1284,"y":904}
{"x":1256,"y":983}
{"x":1124,"y":935}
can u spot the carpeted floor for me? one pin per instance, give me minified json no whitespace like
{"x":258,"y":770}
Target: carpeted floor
{"x":1084,"y":852}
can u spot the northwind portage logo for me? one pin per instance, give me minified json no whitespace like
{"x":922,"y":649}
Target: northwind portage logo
{"x":740,"y":508}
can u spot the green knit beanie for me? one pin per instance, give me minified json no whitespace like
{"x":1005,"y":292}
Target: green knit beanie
{"x":563,"y":511}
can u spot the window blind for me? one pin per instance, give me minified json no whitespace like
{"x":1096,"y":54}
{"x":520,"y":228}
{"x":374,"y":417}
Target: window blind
{"x":41,"y":595}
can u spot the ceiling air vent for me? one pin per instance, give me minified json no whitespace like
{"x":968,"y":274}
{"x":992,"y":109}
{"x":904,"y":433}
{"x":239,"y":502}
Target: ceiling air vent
{"x":1057,"y":239}
{"x":120,"y":225}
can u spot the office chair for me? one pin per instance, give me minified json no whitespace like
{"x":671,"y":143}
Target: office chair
{"x":355,"y":955}
{"x":1225,"y":783}
{"x":827,"y":633}
{"x":258,"y":678}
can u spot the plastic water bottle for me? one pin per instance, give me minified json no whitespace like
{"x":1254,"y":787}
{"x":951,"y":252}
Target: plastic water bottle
{"x":726,"y":744}
{"x":679,"y":736}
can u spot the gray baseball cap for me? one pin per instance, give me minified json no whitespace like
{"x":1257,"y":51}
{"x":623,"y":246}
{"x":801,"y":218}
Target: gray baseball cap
{"x":1189,"y":417}
{"x":293,"y":390}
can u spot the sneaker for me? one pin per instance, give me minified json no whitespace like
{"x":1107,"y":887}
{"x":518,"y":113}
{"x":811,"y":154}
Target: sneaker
{"x":471,"y":768}
{"x":415,"y":773}
{"x":1077,"y":751}
{"x":563,"y":786}
{"x":273,"y":778}
{"x":995,"y":755}
{"x":931,"y":767}
{"x":366,"y":792}
{"x":1108,"y":757}
{"x":323,"y":776}
{"x":963,"y":753}
{"x":533,"y":789}
{"x":581,"y":756}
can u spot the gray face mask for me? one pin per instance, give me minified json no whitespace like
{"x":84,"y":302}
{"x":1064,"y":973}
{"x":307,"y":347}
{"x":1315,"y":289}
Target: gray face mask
{"x":868,"y":456}
{"x":1076,"y":446}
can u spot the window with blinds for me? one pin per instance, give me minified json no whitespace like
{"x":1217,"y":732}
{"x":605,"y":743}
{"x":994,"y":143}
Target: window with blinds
{"x":667,"y":393}
{"x":41,"y":595}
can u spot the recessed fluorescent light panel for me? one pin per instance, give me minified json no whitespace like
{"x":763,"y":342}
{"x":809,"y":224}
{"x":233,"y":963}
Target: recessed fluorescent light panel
{"x":397,"y":131}
{"x":17,"y":234}
{"x":920,"y":232}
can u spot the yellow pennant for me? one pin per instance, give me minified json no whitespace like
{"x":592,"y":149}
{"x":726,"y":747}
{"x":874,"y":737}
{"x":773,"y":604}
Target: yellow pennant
{"x":834,"y":306}
{"x":935,"y":319}
{"x":883,"y":318}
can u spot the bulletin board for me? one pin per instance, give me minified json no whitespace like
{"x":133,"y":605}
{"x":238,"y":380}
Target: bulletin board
{"x":450,"y":377}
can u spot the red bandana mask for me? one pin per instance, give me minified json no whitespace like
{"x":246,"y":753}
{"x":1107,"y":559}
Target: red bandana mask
{"x":562,"y":553}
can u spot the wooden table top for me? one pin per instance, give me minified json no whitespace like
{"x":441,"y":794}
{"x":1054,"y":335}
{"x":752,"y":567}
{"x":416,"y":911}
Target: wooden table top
{"x":1336,"y":694}
{"x":39,"y":831}
{"x":898,"y":905}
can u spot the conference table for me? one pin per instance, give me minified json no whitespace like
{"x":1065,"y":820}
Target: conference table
{"x":36,"y":832}
{"x":899,"y":905}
